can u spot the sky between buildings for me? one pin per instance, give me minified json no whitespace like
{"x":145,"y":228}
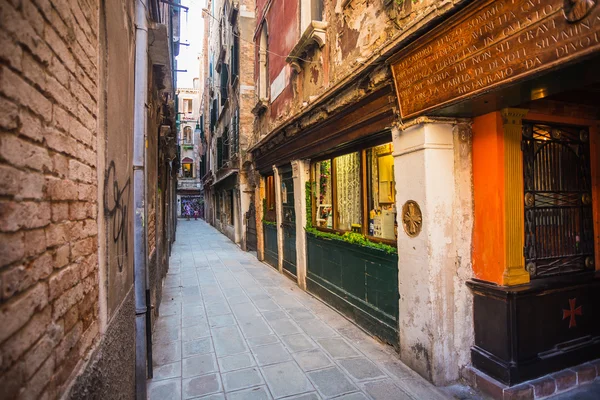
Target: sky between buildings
{"x":192,"y":29}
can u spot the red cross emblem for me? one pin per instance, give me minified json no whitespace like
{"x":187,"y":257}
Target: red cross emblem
{"x":572,"y":312}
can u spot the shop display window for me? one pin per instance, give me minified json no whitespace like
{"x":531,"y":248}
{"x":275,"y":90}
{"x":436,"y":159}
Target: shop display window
{"x":323,"y":194}
{"x":348,"y":200}
{"x":356,"y":192}
{"x":381,"y":192}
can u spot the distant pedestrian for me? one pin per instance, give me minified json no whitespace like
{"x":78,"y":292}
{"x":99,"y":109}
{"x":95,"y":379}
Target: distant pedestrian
{"x":196,"y":215}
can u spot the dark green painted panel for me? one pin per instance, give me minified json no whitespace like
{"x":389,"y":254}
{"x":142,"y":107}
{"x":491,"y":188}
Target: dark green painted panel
{"x":365,"y":280}
{"x":289,"y":249}
{"x":289,"y":222}
{"x":271,"y":252}
{"x":366,"y":319}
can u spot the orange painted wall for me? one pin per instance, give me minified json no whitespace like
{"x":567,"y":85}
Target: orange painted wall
{"x":594,"y":127}
{"x":488,"y":191}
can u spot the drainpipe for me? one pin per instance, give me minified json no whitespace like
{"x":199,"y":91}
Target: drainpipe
{"x":139,"y":154}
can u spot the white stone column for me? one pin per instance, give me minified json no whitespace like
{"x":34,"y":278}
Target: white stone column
{"x":431,"y":308}
{"x":278,"y":218}
{"x":301,"y":175}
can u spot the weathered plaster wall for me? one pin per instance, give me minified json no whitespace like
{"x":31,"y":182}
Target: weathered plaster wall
{"x":463,"y":234}
{"x":118,"y":193}
{"x":109,"y":373}
{"x":358,"y":32}
{"x":433,"y":167}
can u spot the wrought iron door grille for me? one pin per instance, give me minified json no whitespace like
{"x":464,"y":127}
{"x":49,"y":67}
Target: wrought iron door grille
{"x":559,"y":235}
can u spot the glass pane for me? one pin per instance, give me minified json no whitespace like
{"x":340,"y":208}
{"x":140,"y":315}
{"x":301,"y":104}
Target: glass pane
{"x":381,"y":192}
{"x":348,"y":201}
{"x":323,"y":193}
{"x":269,"y":205}
{"x":187,"y":171}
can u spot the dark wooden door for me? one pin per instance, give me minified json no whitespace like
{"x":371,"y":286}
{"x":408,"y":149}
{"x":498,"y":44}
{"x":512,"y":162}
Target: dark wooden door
{"x":289,"y":221}
{"x":251,"y":228}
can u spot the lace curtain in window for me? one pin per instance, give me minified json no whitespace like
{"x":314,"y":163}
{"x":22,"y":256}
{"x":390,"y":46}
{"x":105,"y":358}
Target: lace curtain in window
{"x":348,"y":190}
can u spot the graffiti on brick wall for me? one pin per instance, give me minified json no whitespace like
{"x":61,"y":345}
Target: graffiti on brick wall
{"x":116,"y":200}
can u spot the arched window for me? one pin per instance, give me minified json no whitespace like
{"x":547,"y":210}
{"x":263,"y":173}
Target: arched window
{"x":187,"y":135}
{"x":187,"y":167}
{"x":263,"y":73}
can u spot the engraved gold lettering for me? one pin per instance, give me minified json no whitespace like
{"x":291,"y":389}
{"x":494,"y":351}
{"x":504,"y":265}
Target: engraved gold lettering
{"x":482,"y":57}
{"x":500,"y":41}
{"x":509,"y":58}
{"x":503,"y":47}
{"x":533,"y":62}
{"x":577,"y":45}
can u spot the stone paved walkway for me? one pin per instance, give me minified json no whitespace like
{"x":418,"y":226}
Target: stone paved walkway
{"x":232,"y":327}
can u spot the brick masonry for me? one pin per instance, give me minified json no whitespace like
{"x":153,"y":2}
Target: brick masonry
{"x":48,"y":203}
{"x":552,"y":384}
{"x":49,"y":264}
{"x":67,"y":309}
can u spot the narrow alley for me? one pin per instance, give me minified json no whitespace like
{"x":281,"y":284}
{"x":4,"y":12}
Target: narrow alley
{"x":299,"y":199}
{"x":232,"y":326}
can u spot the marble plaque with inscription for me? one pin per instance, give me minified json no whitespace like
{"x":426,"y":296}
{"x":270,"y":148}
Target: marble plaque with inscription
{"x":489,"y":44}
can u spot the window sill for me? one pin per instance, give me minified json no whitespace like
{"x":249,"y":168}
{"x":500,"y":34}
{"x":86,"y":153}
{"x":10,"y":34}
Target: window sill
{"x":314,"y":35}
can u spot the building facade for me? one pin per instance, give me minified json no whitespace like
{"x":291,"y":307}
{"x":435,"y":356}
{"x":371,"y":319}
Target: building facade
{"x":86,"y":217}
{"x":228,"y":101}
{"x":430,"y":169}
{"x":190,"y":200}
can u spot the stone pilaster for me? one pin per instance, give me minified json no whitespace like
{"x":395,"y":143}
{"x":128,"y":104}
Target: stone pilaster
{"x":514,"y":273}
{"x":301,"y":175}
{"x":430,"y":306}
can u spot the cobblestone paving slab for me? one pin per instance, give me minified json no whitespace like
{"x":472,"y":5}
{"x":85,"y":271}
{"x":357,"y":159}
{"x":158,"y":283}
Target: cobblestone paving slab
{"x":231,"y":327}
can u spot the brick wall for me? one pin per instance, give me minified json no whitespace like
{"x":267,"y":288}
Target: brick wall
{"x":48,"y":193}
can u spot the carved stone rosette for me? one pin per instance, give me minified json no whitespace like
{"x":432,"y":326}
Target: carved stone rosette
{"x":412,"y":218}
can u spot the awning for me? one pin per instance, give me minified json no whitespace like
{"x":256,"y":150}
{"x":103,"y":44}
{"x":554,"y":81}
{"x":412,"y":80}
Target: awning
{"x":187,"y":160}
